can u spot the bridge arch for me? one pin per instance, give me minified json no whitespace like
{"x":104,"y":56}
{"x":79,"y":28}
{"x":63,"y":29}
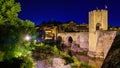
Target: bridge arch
{"x":70,"y":39}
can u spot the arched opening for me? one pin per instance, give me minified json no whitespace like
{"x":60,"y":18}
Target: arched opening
{"x":98,"y":25}
{"x":70,"y":40}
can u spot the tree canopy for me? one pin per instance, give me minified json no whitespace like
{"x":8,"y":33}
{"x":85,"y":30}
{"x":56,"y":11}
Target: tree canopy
{"x":13,"y":31}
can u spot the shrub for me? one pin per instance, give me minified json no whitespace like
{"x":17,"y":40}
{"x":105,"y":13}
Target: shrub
{"x":27,"y":62}
{"x":84,"y":65}
{"x":85,"y":53}
{"x":76,"y":61}
{"x":68,"y":59}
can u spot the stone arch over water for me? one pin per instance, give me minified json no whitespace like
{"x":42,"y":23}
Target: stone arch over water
{"x":76,"y":38}
{"x":70,"y":39}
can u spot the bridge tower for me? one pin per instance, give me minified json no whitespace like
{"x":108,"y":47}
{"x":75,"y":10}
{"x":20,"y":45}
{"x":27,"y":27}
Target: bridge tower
{"x":98,"y":20}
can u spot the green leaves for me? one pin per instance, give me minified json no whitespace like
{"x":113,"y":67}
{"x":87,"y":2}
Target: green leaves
{"x":29,"y":23}
{"x":12,"y":43}
{"x":9,"y":11}
{"x":12,"y":31}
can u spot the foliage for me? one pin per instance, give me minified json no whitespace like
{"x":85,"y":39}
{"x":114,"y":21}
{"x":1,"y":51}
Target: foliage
{"x":9,"y":12}
{"x":27,"y":62}
{"x":76,"y":61}
{"x":56,"y":51}
{"x":84,"y":65}
{"x":85,"y":53}
{"x":77,"y":45}
{"x":68,"y":59}
{"x":78,"y":64}
{"x":40,"y":44}
{"x":1,"y":55}
{"x":50,"y":61}
{"x":47,"y":52}
{"x":13,"y":31}
{"x":12,"y":42}
{"x":42,"y":51}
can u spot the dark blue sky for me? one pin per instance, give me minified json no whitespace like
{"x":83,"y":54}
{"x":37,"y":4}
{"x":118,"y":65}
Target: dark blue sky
{"x":66,"y":10}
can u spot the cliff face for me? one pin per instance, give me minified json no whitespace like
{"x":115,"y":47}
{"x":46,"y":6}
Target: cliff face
{"x":112,"y":59}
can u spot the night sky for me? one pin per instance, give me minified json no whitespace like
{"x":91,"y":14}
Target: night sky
{"x":67,"y":10}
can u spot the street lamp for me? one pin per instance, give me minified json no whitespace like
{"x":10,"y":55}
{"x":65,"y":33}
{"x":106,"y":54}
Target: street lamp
{"x":27,"y":38}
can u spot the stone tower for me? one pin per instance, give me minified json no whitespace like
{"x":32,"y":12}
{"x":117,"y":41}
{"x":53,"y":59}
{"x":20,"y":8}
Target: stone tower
{"x":98,"y":20}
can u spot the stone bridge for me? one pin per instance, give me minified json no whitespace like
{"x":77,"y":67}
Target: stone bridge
{"x":80,"y":38}
{"x":103,"y":42}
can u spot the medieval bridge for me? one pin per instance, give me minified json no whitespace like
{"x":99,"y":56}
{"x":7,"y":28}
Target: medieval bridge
{"x":80,"y":38}
{"x":103,"y":41}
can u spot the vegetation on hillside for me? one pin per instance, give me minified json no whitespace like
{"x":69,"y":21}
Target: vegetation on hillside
{"x":48,"y":52}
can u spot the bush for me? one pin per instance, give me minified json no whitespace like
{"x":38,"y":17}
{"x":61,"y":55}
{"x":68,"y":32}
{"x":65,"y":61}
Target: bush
{"x":85,"y":53}
{"x":43,"y":52}
{"x":68,"y":59}
{"x":27,"y":62}
{"x":84,"y":65}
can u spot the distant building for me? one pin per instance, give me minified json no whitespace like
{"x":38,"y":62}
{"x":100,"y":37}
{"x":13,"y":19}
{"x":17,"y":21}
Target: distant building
{"x":113,"y":28}
{"x":84,"y":27}
{"x":50,"y":32}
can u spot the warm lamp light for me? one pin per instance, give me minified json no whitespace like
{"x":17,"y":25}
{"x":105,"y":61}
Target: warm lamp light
{"x":27,"y":38}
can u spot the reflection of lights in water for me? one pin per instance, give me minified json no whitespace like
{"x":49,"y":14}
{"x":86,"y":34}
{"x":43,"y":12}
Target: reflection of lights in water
{"x":27,"y":38}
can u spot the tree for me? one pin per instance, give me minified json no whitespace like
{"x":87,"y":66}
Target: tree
{"x":9,"y":12}
{"x":12,"y":32}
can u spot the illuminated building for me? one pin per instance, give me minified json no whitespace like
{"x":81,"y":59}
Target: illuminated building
{"x":98,"y":20}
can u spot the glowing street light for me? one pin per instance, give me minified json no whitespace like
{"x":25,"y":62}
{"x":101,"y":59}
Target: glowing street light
{"x":27,"y":38}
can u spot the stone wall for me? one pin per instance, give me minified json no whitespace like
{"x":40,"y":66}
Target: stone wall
{"x":65,"y":36}
{"x":104,"y":42}
{"x":83,"y":39}
{"x":80,"y":38}
{"x":112,"y":59}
